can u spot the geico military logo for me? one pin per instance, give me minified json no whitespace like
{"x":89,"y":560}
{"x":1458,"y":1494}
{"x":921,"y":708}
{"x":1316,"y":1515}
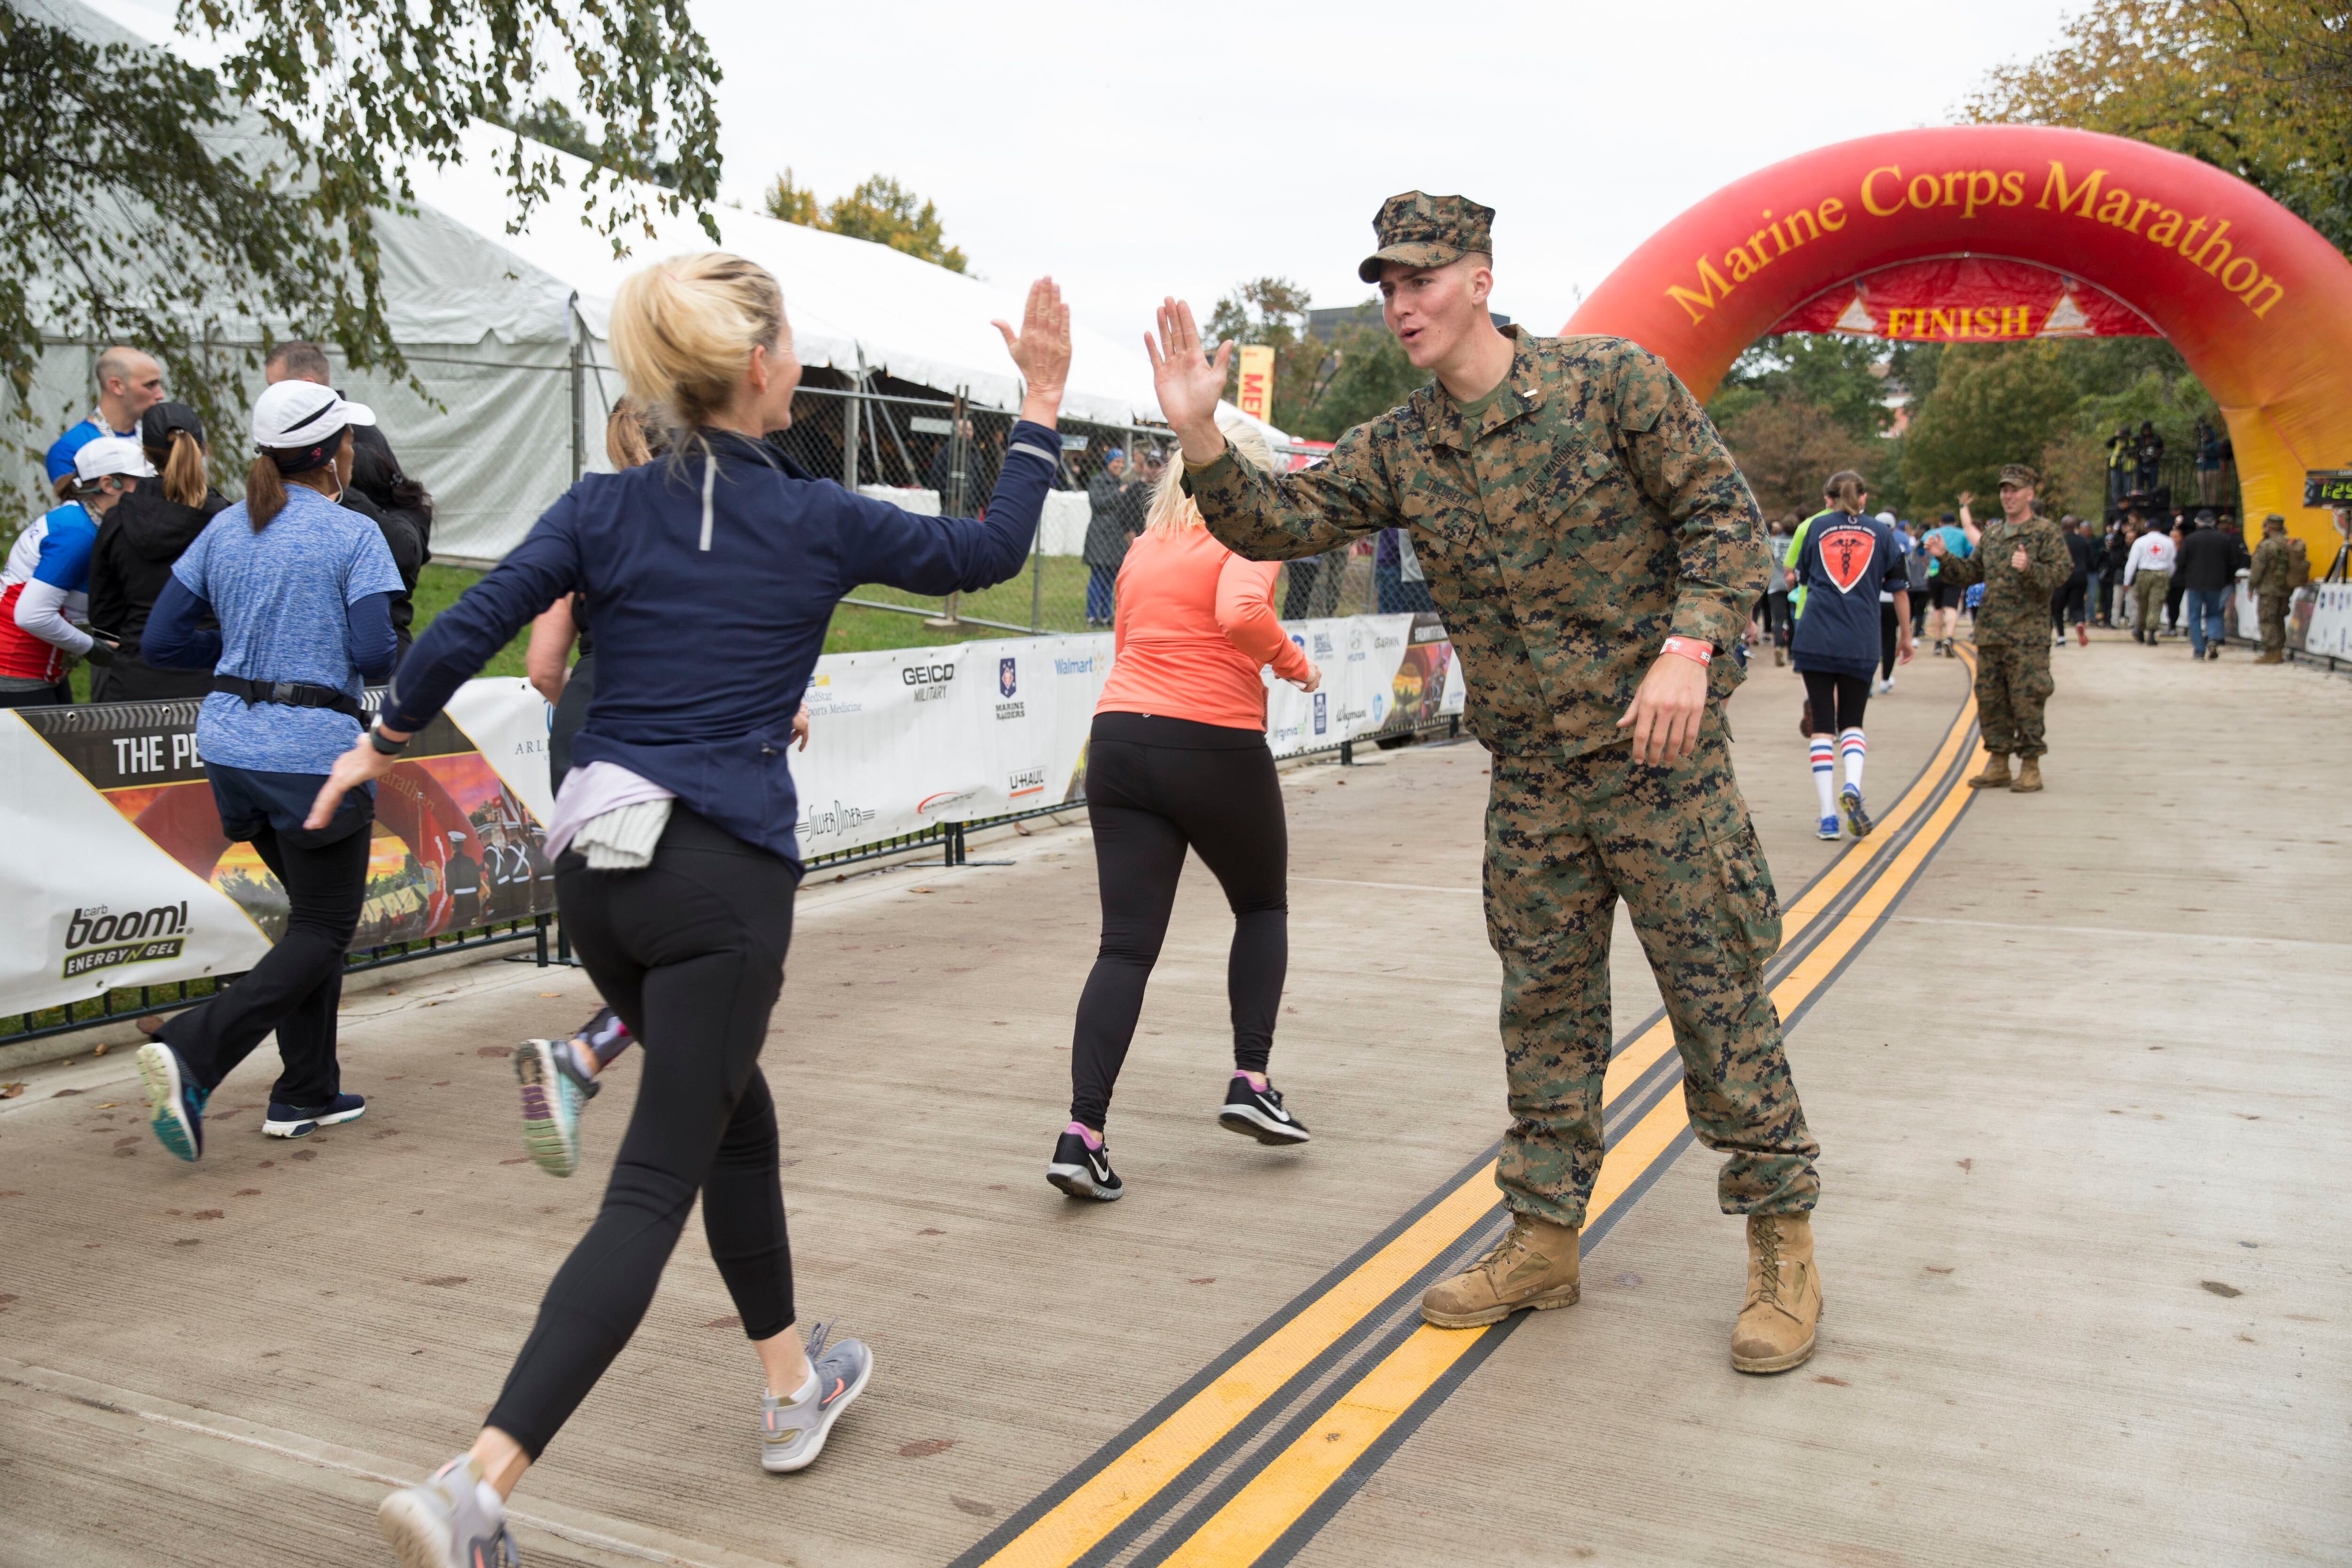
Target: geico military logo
{"x":929,"y":681}
{"x":1025,"y":780}
{"x":98,"y":939}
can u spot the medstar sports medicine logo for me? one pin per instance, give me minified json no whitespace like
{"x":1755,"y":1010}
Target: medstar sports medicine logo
{"x":96,"y":938}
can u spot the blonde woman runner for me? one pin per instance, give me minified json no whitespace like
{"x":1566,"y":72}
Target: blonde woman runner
{"x":678,"y":860}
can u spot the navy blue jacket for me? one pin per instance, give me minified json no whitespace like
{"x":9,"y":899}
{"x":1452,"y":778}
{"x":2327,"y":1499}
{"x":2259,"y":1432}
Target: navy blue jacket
{"x":708,"y":601}
{"x":1846,"y":560}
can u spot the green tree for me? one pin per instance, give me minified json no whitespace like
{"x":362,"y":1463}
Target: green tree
{"x":1993,"y":404}
{"x":879,"y":209}
{"x":1845,"y":377}
{"x":2260,"y":88}
{"x":1273,"y":311}
{"x":1369,"y":375}
{"x":1786,"y":445}
{"x":164,"y":204}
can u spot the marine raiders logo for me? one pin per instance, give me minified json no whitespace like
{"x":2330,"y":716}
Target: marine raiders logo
{"x":1846,"y":553}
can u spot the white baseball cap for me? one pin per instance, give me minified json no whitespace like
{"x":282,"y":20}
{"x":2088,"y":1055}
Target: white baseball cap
{"x":115,"y":454}
{"x":296,"y":414}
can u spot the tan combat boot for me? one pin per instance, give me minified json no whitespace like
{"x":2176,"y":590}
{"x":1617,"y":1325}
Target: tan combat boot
{"x":1533,"y":1268}
{"x":2029,"y":777}
{"x":1775,"y":1331}
{"x":2271,"y":658}
{"x":1995,"y":774}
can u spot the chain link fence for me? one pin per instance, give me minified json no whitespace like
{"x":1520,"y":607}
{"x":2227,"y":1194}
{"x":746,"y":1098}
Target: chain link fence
{"x":940,"y":456}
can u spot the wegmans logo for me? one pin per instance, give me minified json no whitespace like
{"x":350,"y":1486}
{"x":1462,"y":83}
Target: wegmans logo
{"x":98,"y":939}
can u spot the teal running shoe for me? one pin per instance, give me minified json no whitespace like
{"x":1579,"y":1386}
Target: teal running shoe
{"x":175,"y":1105}
{"x":553,"y":1091}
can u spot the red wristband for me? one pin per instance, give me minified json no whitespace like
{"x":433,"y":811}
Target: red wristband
{"x":1690,"y":648}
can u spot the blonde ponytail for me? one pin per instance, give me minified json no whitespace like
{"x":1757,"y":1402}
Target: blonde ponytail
{"x":1170,"y":510}
{"x":683,"y":328}
{"x":184,"y":479}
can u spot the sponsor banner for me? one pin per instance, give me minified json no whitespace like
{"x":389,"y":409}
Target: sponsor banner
{"x":2318,"y":618}
{"x":118,"y":872}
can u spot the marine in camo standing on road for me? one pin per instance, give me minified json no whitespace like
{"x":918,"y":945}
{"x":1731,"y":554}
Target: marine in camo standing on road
{"x":2018,"y":558}
{"x":1594,"y":554}
{"x":2272,"y":581}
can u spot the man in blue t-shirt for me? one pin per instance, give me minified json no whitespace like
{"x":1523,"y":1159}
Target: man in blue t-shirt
{"x":129,"y":384}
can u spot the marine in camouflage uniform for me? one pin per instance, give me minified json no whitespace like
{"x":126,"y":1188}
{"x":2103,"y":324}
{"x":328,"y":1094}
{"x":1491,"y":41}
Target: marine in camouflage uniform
{"x":2014,"y":631}
{"x":1568,"y":523}
{"x":2268,"y":581}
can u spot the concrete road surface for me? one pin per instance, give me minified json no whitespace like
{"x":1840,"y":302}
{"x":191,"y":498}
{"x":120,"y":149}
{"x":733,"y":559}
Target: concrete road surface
{"x":2076,"y":1061}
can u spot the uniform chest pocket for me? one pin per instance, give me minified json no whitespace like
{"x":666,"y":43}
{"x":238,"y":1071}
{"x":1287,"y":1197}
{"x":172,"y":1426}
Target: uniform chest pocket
{"x":1582,"y":489}
{"x":1439,"y":503}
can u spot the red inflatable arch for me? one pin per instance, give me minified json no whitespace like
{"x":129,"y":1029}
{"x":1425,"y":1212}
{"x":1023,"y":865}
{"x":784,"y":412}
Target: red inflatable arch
{"x":2256,"y":301}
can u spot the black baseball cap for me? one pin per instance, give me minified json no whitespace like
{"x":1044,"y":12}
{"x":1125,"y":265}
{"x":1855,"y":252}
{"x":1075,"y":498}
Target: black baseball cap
{"x":155,"y":425}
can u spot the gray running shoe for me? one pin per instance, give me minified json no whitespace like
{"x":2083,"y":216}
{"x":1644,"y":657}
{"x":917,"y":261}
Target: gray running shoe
{"x":793,"y":1436}
{"x":453,"y":1519}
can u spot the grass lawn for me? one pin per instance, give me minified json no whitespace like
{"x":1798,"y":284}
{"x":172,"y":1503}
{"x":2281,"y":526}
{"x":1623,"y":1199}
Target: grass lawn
{"x":854,"y":629}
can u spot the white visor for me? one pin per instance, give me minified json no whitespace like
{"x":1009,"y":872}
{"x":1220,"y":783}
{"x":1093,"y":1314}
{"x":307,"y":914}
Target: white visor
{"x":296,"y":414}
{"x":115,"y":454}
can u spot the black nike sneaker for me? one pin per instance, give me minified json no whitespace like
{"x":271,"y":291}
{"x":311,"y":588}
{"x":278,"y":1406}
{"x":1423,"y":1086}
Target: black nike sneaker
{"x":1082,"y":1171}
{"x":1257,"y":1114}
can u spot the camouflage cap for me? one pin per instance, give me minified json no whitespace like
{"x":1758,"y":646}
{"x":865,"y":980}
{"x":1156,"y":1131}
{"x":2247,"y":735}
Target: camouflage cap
{"x":2273,"y":519}
{"x":1422,"y":230}
{"x":2018,"y":474}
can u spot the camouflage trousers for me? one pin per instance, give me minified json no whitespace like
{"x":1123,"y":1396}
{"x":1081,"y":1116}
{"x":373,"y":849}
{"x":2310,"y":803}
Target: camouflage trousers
{"x":2012,"y":683}
{"x":1566,"y":838}
{"x":2271,"y":608}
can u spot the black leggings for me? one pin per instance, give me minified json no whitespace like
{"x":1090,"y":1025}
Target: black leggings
{"x":690,"y":953}
{"x":296,"y":986}
{"x":1154,"y":787}
{"x":1835,"y":701}
{"x":1887,"y":639}
{"x":2071,"y":595}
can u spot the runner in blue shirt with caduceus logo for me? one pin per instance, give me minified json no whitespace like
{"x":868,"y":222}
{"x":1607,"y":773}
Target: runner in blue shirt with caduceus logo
{"x":1847,"y":559}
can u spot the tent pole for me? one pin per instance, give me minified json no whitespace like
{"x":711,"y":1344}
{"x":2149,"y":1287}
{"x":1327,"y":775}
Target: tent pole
{"x":571,"y":332}
{"x":849,"y":406}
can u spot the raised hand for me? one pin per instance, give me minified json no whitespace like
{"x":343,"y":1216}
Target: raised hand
{"x":1188,"y":381}
{"x":1041,"y":350}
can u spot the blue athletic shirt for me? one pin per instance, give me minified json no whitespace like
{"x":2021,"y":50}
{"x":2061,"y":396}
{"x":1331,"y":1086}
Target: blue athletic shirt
{"x":55,"y":550}
{"x":283,"y":597}
{"x":59,"y":461}
{"x":1956,"y":540}
{"x":1842,"y":566}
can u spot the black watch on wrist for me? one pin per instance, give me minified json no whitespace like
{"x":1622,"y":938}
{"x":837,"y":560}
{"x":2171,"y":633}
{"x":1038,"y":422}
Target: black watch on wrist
{"x":384,"y":742}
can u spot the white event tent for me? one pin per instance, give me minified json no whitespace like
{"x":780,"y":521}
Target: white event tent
{"x":506,"y":331}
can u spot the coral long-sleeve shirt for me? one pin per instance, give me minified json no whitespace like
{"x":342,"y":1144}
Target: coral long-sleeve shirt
{"x":1196,"y":623}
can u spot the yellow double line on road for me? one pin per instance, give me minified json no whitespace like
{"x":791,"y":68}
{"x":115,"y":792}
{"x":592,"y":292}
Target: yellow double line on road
{"x":1289,"y":1483}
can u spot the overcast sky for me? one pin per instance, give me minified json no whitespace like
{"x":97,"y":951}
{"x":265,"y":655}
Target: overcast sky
{"x":1134,"y":151}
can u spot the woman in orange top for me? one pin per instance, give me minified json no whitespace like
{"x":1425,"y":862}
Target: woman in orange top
{"x":1178,"y":760}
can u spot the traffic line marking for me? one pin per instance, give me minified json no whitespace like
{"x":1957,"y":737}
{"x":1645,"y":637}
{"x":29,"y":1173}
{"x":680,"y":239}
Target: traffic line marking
{"x":1096,"y":1514}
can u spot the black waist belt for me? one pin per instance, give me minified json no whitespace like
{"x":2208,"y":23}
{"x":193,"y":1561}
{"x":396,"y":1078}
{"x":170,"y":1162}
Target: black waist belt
{"x":290,"y":694}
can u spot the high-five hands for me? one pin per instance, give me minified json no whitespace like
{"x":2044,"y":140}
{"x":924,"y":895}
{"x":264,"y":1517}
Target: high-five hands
{"x":1188,"y":381}
{"x":1041,"y":350}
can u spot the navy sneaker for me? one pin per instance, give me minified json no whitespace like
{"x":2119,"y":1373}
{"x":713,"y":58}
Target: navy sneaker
{"x":1083,"y":1172}
{"x":286,"y":1121}
{"x":1850,"y":800}
{"x":1829,"y":828}
{"x":175,"y":1105}
{"x":1259,"y":1113}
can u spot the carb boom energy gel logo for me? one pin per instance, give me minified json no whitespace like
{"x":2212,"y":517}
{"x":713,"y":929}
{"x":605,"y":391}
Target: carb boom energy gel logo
{"x":97,"y":937}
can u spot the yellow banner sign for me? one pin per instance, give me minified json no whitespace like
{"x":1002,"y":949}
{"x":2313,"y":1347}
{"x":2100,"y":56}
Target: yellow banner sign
{"x":1256,"y":396}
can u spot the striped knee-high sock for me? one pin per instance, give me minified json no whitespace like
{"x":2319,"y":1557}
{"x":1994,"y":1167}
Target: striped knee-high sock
{"x":1825,"y":773}
{"x":1852,"y":748}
